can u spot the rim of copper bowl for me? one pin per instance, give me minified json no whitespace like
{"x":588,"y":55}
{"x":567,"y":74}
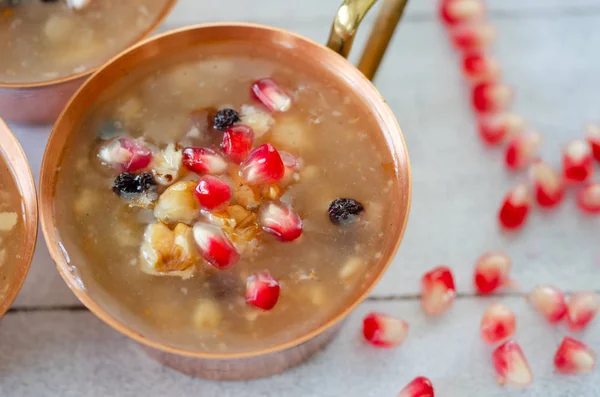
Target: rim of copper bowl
{"x":21,"y":172}
{"x":48,"y":182}
{"x":74,"y":76}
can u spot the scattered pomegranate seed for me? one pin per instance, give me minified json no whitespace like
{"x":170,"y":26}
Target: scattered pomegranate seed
{"x":454,"y":12}
{"x":522,"y":149}
{"x":262,"y":290}
{"x":511,"y":365}
{"x":470,"y":37}
{"x":497,"y":324}
{"x":437,"y":290}
{"x":592,"y":134}
{"x":237,"y":142}
{"x":125,"y":154}
{"x":588,"y":198}
{"x":270,"y":94}
{"x":263,"y":165}
{"x":214,"y":246}
{"x":515,"y":207}
{"x":548,"y":185}
{"x":491,"y":272}
{"x":550,"y":302}
{"x":212,"y":193}
{"x":291,"y":164}
{"x":495,"y":128}
{"x":491,"y":97}
{"x":418,"y":387}
{"x":479,"y":67}
{"x":383,"y":330}
{"x":577,"y":161}
{"x":582,"y":309}
{"x":280,"y":220}
{"x":204,"y":161}
{"x":574,"y":357}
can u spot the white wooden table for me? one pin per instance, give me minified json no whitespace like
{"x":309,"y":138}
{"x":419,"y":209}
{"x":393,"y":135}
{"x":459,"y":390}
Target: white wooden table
{"x":51,"y":346}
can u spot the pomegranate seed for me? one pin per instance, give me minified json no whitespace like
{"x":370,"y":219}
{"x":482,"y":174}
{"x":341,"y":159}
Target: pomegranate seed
{"x":262,"y":290}
{"x":577,"y":161}
{"x":214,"y":246}
{"x":588,"y":198}
{"x":280,"y":220}
{"x":491,"y":97}
{"x":515,"y":207}
{"x":497,"y":324}
{"x":574,"y":357}
{"x":478,"y":67}
{"x":237,"y":142}
{"x":270,"y":94}
{"x":550,"y":302}
{"x":125,"y":154}
{"x":472,"y":36}
{"x":291,"y":164}
{"x":548,"y":185}
{"x":454,"y":12}
{"x":511,"y":365}
{"x":592,"y":134}
{"x":383,"y":330}
{"x":522,"y":149}
{"x":437,"y":290}
{"x":212,"y":193}
{"x":204,"y":161}
{"x":495,"y":128}
{"x":582,"y":309}
{"x":418,"y":387}
{"x":492,"y":272}
{"x":263,"y":165}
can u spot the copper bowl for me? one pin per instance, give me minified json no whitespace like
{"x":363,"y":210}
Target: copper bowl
{"x":200,"y":363}
{"x":17,"y":162}
{"x":41,"y":102}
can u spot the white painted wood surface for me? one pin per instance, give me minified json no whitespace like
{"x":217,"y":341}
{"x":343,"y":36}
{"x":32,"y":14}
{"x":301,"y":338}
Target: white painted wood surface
{"x":548,"y":48}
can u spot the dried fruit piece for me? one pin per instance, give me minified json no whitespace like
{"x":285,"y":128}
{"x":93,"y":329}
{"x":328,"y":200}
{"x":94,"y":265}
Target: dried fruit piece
{"x":259,"y":120}
{"x":437,"y":290}
{"x":577,"y":161}
{"x":459,"y":11}
{"x":511,"y":365}
{"x":237,"y":142}
{"x":548,"y":185}
{"x":383,"y":330}
{"x":177,"y":204}
{"x":343,"y":211}
{"x":550,"y":302}
{"x":212,"y":193}
{"x":204,"y":161}
{"x":263,"y":165}
{"x":214,"y":246}
{"x":270,"y":94}
{"x":247,"y":197}
{"x":522,"y":149}
{"x":478,"y":66}
{"x":492,"y":272}
{"x":166,"y":165}
{"x":418,"y":387}
{"x":592,"y":134}
{"x":497,"y":324}
{"x":581,"y":309}
{"x":166,"y":252}
{"x":262,"y":290}
{"x":495,"y":128}
{"x":476,"y":36}
{"x":574,"y":357}
{"x":125,"y":154}
{"x":588,"y":198}
{"x":515,"y":207}
{"x":280,"y":220}
{"x":225,"y":118}
{"x":126,"y":183}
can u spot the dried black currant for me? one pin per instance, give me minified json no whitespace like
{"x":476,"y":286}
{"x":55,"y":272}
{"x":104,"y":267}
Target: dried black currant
{"x":225,"y":118}
{"x":342,"y":211}
{"x":126,"y":183}
{"x":145,"y":181}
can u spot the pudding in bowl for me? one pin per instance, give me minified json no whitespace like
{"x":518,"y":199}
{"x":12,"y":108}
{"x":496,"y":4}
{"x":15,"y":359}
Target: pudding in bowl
{"x":222,"y":198}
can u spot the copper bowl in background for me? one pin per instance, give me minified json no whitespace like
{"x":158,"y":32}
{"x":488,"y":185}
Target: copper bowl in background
{"x":15,"y":159}
{"x":41,"y":102}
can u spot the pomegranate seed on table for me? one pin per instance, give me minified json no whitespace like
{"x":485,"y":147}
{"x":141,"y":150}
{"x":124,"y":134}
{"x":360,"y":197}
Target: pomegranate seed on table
{"x":383,"y":330}
{"x":548,"y":185}
{"x":204,"y":161}
{"x":574,"y":357}
{"x":581,"y":309}
{"x":262,"y":290}
{"x":212,"y":193}
{"x":472,"y":36}
{"x":270,"y":94}
{"x":592,"y":134}
{"x":418,"y":387}
{"x":515,"y":207}
{"x":214,"y":246}
{"x":237,"y":142}
{"x":454,"y":12}
{"x":495,"y":128}
{"x":263,"y":165}
{"x":280,"y":220}
{"x":577,"y":161}
{"x":588,"y":198}
{"x":125,"y":154}
{"x":491,"y":97}
{"x":477,"y":66}
{"x":491,"y":272}
{"x":437,"y":290}
{"x":550,"y":302}
{"x":511,"y":365}
{"x":522,"y":149}
{"x":497,"y":324}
